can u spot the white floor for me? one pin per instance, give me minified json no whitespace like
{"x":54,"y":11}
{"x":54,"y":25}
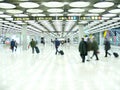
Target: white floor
{"x":23,"y":70}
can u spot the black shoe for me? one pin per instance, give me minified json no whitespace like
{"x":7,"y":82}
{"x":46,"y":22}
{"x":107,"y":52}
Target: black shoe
{"x":97,"y":59}
{"x":105,"y":56}
{"x":87,"y":60}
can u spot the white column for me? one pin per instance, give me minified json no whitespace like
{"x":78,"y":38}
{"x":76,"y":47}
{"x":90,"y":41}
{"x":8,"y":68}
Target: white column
{"x":81,"y":32}
{"x":24,"y":37}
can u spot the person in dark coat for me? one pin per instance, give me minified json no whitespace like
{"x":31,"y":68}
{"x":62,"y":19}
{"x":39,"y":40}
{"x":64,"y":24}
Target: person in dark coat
{"x":12,"y":45}
{"x":88,"y":48}
{"x":107,"y":47}
{"x":83,"y":49}
{"x":33,"y":45}
{"x":95,"y":48}
{"x":57,"y":44}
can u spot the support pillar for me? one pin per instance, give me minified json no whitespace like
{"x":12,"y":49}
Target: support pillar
{"x":81,"y":32}
{"x":24,"y":37}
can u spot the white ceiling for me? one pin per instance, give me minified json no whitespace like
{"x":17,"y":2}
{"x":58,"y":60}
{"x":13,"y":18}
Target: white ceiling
{"x":109,"y":10}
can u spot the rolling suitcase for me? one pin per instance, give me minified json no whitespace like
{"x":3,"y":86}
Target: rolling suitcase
{"x":61,"y":52}
{"x":37,"y":49}
{"x":115,"y":54}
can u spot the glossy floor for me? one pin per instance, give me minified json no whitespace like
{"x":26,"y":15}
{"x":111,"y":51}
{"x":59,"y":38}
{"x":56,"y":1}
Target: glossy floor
{"x":23,"y":70}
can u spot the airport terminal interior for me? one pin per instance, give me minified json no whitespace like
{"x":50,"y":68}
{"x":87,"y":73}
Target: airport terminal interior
{"x":68,"y":21}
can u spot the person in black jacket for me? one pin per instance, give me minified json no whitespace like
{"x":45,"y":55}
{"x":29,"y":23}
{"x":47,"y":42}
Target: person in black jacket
{"x":57,"y":44}
{"x":83,"y":49}
{"x":107,"y":47}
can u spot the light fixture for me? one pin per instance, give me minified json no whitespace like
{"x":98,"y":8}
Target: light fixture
{"x":118,"y":6}
{"x":56,"y":15}
{"x":105,"y":18}
{"x":73,"y":14}
{"x":7,"y":5}
{"x":53,"y":4}
{"x":1,"y":12}
{"x":91,"y":14}
{"x":4,"y":16}
{"x":116,"y":18}
{"x":97,"y":10}
{"x":115,"y":11}
{"x":79,"y":4}
{"x":29,"y":5}
{"x":34,"y":10}
{"x":83,"y":22}
{"x":76,"y":10}
{"x":38,"y":15}
{"x":21,"y":15}
{"x":109,"y":15}
{"x":55,"y":10}
{"x":10,"y":19}
{"x":14,"y":11}
{"x":103,"y":4}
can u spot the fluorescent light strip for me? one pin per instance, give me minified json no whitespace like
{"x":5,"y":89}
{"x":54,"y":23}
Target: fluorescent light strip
{"x":47,"y":25}
{"x":58,"y":25}
{"x":37,"y":25}
{"x":69,"y":25}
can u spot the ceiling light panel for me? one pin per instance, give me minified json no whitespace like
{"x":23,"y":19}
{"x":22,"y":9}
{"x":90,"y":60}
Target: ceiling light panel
{"x":76,"y":10}
{"x":55,"y":10}
{"x":79,"y":4}
{"x":109,"y":15}
{"x":91,"y":14}
{"x":97,"y":10}
{"x":21,"y":15}
{"x":38,"y":26}
{"x":1,"y":12}
{"x":115,"y":11}
{"x":69,"y":25}
{"x":56,"y":15}
{"x":7,"y":5}
{"x":5,"y":16}
{"x":53,"y":4}
{"x":58,"y":25}
{"x":14,"y":11}
{"x":29,"y":5}
{"x":83,"y":22}
{"x":118,"y":6}
{"x":38,"y":15}
{"x":104,"y":4}
{"x":34,"y":10}
{"x":47,"y":25}
{"x":73,"y":14}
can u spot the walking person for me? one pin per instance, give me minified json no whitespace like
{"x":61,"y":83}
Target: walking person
{"x":33,"y":45}
{"x":83,"y":49}
{"x":16,"y":45}
{"x":88,"y":48}
{"x":12,"y":45}
{"x":107,"y":47}
{"x":57,"y":44}
{"x":95,"y":48}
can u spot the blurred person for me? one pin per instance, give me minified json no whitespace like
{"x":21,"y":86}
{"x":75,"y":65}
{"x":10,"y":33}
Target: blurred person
{"x":83,"y":49}
{"x":12,"y":45}
{"x":33,"y":45}
{"x":95,"y":48}
{"x":88,"y":48}
{"x":107,"y":46}
{"x":57,"y":44}
{"x":16,"y":44}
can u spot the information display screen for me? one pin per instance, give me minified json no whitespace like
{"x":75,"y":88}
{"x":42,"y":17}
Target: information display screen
{"x":58,"y":18}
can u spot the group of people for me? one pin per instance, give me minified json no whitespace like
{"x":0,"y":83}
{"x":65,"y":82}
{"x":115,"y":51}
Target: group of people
{"x":91,"y":45}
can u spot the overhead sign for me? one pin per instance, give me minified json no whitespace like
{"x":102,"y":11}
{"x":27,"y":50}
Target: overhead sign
{"x":57,"y":18}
